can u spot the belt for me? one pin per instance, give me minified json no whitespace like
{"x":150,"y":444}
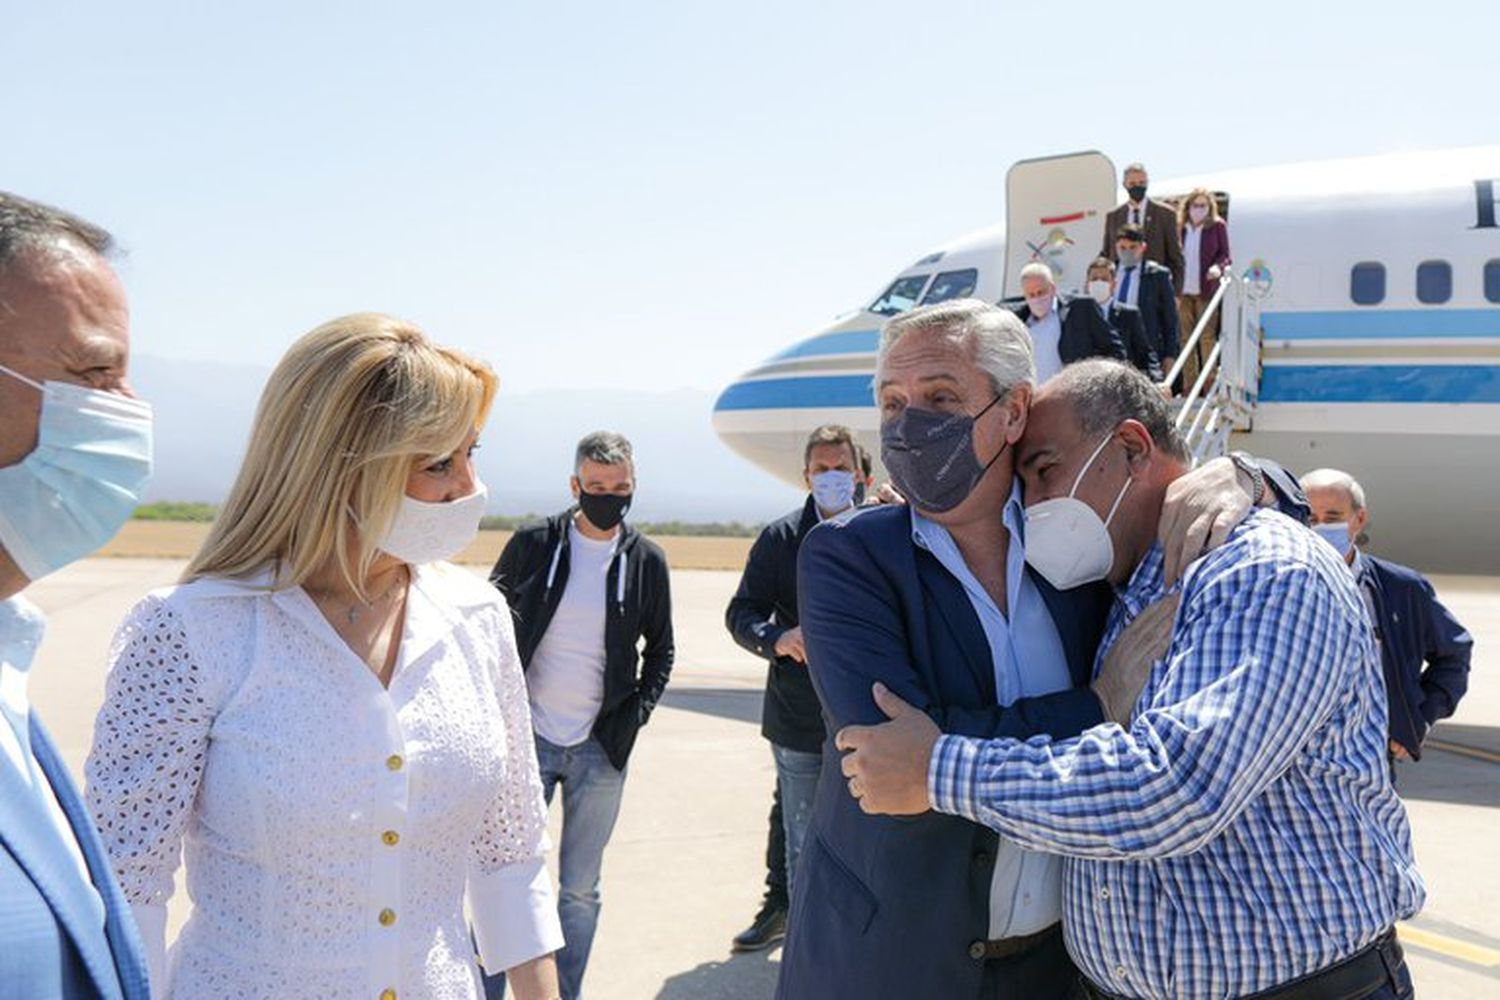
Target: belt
{"x":981,"y":951}
{"x":1354,"y":977}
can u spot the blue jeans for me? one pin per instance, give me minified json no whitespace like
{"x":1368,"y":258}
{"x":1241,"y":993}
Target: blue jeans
{"x":591,"y":789}
{"x":797,"y":780}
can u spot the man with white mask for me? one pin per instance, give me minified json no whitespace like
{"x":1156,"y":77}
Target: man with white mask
{"x":75,"y":452}
{"x":1210,"y":827}
{"x":762,"y":617}
{"x":1064,"y":328}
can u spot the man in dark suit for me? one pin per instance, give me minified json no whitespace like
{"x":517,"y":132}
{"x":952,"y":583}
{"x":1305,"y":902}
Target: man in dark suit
{"x":1148,"y":286}
{"x":934,"y":601}
{"x":1126,"y":320}
{"x":1424,"y":650}
{"x":66,"y":931}
{"x":1156,"y":218}
{"x":1063,"y":328}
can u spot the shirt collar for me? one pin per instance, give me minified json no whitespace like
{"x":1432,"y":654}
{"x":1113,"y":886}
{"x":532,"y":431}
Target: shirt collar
{"x":1146,"y":584}
{"x":1013,"y":515}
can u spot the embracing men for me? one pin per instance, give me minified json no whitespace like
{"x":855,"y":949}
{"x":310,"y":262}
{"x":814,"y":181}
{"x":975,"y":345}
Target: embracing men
{"x":938,"y":604}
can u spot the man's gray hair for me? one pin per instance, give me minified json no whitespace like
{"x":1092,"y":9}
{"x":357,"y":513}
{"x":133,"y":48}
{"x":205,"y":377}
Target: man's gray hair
{"x":1322,"y":479}
{"x":1105,"y":393}
{"x":28,"y":226}
{"x":604,"y":447}
{"x":997,"y":339}
{"x":1036,"y":269}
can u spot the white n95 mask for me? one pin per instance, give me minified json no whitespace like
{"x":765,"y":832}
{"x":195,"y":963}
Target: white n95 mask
{"x":1066,"y":542}
{"x":426,"y":532}
{"x":81,"y":482}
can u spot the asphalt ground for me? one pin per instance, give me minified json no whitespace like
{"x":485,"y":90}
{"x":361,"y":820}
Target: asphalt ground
{"x":685,"y":868}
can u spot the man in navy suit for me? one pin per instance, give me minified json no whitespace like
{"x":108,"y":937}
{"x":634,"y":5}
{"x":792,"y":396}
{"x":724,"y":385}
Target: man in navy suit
{"x":1126,"y":320}
{"x":74,"y":450}
{"x":933,"y":600}
{"x":1147,"y":286}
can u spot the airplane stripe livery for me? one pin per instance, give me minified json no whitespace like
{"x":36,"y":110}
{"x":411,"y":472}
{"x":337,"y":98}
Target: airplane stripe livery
{"x":1377,"y":282}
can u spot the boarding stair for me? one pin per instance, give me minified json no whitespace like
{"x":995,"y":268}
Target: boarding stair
{"x":1222,"y":398}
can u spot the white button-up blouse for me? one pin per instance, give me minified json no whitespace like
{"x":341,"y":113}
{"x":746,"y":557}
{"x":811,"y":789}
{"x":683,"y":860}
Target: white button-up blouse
{"x":330,"y":825}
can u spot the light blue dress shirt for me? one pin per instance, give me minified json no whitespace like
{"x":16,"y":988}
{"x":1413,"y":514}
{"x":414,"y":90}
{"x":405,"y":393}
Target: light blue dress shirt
{"x":1028,"y":658}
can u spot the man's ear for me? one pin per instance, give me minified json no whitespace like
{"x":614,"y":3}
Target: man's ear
{"x":1017,"y":406}
{"x":575,"y":486}
{"x":1139,"y":448}
{"x":1361,"y":519}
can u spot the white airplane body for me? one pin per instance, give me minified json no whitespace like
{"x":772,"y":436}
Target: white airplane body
{"x":1378,"y":288}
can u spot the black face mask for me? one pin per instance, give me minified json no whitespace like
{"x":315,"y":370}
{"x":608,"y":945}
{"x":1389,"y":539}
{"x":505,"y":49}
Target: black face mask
{"x":930,"y":456}
{"x":604,"y":510}
{"x":1137,"y":192}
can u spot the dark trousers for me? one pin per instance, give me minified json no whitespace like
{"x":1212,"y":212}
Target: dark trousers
{"x":1045,"y":972}
{"x":776,"y":893}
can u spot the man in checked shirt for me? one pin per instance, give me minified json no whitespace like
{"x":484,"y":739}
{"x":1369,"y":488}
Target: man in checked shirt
{"x":1234,"y":832}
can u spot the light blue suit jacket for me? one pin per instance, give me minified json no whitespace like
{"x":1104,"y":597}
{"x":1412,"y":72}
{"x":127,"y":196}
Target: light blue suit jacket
{"x":51,"y":947}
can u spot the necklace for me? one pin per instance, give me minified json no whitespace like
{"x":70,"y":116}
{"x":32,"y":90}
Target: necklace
{"x":358,"y":608}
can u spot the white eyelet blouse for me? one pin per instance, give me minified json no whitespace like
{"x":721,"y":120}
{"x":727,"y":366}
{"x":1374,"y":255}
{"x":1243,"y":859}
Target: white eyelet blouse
{"x":330,"y":825}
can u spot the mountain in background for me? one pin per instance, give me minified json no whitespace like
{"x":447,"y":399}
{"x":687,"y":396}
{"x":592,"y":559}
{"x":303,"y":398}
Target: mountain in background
{"x":203,"y":413}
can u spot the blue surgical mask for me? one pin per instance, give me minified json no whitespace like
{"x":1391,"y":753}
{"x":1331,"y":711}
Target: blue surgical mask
{"x":1337,"y":535}
{"x":81,"y":482}
{"x":833,"y":490}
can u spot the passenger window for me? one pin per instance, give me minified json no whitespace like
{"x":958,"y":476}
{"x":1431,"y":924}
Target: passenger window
{"x":901,"y":296}
{"x":1434,"y":282}
{"x":1492,"y":281}
{"x":951,"y":285}
{"x":1367,"y":283}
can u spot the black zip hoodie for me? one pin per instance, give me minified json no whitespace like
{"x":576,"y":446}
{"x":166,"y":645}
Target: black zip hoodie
{"x":532,"y":573}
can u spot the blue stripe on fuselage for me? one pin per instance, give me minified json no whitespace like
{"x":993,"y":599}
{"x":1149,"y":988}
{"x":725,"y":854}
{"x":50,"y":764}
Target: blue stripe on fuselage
{"x":842,"y":342}
{"x":1382,"y":324}
{"x":1380,"y":384}
{"x":799,"y":393}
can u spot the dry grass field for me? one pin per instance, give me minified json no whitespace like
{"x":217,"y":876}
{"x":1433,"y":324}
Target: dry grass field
{"x":180,"y":539}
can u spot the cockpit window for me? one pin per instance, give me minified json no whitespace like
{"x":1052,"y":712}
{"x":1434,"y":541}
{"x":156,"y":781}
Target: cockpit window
{"x":901,"y":296}
{"x":952,"y":285}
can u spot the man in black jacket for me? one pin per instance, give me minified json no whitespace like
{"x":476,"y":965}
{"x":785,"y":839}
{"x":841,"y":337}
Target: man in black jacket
{"x":584,"y":589}
{"x":1424,"y":650}
{"x":1147,"y":286}
{"x":1126,"y":320}
{"x":762,"y":617}
{"x":1063,"y":328}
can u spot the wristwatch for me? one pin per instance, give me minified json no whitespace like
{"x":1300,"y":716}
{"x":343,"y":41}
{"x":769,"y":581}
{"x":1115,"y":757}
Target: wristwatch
{"x":1249,"y":466}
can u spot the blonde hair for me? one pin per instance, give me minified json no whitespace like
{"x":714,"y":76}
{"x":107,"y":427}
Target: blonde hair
{"x":1186,"y":203}
{"x":350,"y":410}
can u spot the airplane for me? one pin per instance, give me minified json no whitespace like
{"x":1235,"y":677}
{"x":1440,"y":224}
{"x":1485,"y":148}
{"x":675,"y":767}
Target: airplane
{"x":1361,"y":332}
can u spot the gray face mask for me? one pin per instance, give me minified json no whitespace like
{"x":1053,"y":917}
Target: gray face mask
{"x":930,"y":456}
{"x":1130,"y":258}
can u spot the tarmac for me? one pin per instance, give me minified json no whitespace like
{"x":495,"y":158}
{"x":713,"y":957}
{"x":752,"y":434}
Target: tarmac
{"x":685,"y":869}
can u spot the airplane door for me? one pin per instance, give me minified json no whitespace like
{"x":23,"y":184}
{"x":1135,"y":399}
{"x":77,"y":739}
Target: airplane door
{"x":1054,"y":212}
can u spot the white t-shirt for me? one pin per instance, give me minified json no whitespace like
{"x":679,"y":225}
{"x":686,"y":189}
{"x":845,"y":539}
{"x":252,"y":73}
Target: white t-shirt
{"x":566,"y":677}
{"x":1192,"y":240}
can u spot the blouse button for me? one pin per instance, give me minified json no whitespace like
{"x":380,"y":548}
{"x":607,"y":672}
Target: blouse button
{"x":390,"y":838}
{"x":387,"y":917}
{"x":394,"y":762}
{"x":387,"y":995}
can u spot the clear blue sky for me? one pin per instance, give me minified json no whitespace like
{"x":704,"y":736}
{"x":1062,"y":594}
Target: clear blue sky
{"x":650,"y":195}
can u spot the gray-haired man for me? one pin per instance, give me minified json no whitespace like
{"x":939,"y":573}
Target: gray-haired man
{"x":584,"y":589}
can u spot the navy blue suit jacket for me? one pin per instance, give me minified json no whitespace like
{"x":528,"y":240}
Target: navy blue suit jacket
{"x":50,"y":948}
{"x":1157,"y":302}
{"x":889,"y":906}
{"x":1423,"y":648}
{"x":1085,"y":332}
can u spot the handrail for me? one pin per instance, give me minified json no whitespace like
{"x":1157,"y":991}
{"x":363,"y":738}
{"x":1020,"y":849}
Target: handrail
{"x":1192,"y":342}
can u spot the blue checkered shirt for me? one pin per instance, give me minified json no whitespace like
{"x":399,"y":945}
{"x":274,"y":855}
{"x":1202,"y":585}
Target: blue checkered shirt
{"x":1242,"y":832}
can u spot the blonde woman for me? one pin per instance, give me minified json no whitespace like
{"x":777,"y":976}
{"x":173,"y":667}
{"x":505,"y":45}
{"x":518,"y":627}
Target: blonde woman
{"x":331,"y":719}
{"x":1205,"y":254}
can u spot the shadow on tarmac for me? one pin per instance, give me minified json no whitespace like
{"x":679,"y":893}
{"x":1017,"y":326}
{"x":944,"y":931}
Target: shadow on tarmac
{"x":747,"y":976}
{"x":735,"y":704}
{"x":1447,"y":776}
